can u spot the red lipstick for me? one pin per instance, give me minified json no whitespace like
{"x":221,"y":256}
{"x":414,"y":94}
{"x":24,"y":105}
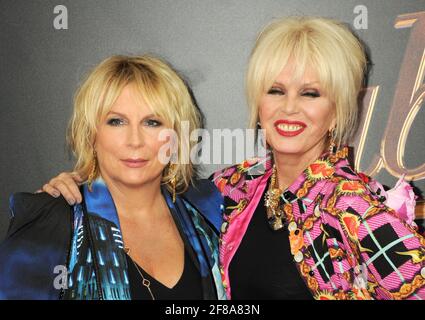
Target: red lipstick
{"x":288,"y":128}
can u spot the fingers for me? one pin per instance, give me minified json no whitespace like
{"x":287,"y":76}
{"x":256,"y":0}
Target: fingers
{"x":50,"y":190}
{"x":65,"y":185}
{"x":68,"y":182}
{"x":77,"y":178}
{"x":59,"y":188}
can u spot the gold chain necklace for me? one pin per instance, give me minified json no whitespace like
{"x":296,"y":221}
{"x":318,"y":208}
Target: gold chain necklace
{"x":271,"y":201}
{"x":145,"y":282}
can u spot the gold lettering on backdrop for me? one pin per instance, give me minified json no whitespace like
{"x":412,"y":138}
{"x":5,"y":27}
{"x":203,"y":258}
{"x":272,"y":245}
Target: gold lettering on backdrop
{"x":408,"y":99}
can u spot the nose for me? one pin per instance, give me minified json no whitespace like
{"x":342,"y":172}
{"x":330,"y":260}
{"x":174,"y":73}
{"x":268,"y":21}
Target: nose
{"x":135,"y":138}
{"x":289,"y":104}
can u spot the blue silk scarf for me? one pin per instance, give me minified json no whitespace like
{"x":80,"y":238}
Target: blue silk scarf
{"x":97,"y":263}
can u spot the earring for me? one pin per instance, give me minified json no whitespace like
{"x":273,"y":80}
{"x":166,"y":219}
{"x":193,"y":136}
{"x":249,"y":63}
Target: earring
{"x":332,"y":144}
{"x":93,"y":171}
{"x":171,"y":170}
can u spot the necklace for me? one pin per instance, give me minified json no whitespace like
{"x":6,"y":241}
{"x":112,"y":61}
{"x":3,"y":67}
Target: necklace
{"x":145,"y":282}
{"x":271,"y":201}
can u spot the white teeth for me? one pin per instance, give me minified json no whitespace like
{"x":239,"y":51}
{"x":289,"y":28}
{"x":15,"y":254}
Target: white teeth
{"x":289,"y":127}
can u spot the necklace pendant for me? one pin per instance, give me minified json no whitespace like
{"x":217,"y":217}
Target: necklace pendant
{"x":146,"y":283}
{"x":278,"y":224}
{"x":272,"y":200}
{"x":275,"y":222}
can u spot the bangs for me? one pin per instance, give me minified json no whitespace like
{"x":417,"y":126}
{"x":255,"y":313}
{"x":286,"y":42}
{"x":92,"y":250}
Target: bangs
{"x":108,"y":96}
{"x":153,"y":91}
{"x":146,"y":89}
{"x":296,"y":47}
{"x":326,"y":46}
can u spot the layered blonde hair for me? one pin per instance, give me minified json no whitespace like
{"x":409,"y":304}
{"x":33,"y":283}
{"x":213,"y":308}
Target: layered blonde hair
{"x":160,"y":87}
{"x":327,"y":46}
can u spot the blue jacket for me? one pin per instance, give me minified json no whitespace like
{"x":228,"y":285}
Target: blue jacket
{"x":55,"y":251}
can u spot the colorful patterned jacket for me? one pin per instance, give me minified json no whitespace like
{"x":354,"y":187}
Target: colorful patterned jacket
{"x":346,"y":243}
{"x":54,"y":251}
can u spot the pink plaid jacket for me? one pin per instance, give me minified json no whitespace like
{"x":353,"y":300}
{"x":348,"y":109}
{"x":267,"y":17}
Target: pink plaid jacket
{"x":346,"y":243}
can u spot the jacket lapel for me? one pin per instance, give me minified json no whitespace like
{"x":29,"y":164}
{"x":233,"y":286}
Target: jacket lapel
{"x":98,"y":260}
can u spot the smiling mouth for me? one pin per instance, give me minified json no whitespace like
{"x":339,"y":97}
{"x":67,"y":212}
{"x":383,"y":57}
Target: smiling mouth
{"x":289,"y":128}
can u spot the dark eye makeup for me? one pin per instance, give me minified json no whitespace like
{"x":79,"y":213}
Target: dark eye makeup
{"x":275,"y":91}
{"x":311,"y":93}
{"x":115,"y":122}
{"x":152,"y":123}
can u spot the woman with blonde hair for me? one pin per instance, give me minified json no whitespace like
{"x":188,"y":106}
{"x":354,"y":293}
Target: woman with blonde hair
{"x":301,"y":223}
{"x":146,"y":228}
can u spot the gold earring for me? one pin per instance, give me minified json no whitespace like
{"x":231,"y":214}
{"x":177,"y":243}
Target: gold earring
{"x":93,"y":171}
{"x":171,"y":169}
{"x":332,"y":144}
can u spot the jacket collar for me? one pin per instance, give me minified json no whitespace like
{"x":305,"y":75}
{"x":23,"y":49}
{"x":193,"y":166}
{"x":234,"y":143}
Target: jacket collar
{"x":250,"y":173}
{"x":318,"y":173}
{"x":203,"y":195}
{"x":205,"y":201}
{"x":99,"y":202}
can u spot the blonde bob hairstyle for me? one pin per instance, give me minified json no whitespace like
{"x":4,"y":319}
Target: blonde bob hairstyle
{"x":325,"y":45}
{"x":159,"y":86}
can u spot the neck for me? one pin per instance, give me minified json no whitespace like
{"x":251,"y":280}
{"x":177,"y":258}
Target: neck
{"x":142,"y":201}
{"x":290,"y":166}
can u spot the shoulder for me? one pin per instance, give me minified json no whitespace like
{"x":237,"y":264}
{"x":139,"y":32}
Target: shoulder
{"x":352,"y":182}
{"x":351,"y":191}
{"x":235,"y":175}
{"x":204,"y":195}
{"x":37,"y":241}
{"x":25,"y":201}
{"x":247,"y":166}
{"x":202,"y":190}
{"x":26,"y":208}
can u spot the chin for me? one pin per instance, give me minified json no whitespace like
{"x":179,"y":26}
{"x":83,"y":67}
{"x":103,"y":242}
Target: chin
{"x":283,"y":146}
{"x":136,"y":181}
{"x":288,"y":150}
{"x":131,"y":179}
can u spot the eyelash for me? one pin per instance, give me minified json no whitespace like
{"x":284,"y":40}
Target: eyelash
{"x":153,"y":123}
{"x":276,"y":91}
{"x":312,"y":94}
{"x":115,"y":122}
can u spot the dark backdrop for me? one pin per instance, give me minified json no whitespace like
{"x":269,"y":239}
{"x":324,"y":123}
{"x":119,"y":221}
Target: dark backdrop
{"x":208,"y":41}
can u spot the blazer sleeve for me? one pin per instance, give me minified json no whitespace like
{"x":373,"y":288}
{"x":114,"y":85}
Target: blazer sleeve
{"x":392,"y":251}
{"x":37,"y":241}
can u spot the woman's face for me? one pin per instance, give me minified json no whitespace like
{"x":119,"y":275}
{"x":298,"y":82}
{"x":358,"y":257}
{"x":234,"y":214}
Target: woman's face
{"x":296,"y":114}
{"x":127,"y":143}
